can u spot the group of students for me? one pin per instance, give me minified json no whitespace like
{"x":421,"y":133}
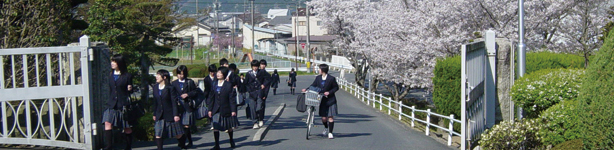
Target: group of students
{"x":174,"y":104}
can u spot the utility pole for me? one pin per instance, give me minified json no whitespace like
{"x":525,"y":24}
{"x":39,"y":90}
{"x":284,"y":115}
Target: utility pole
{"x":253,"y":26}
{"x":521,"y":47}
{"x":233,"y":36}
{"x":296,"y":36}
{"x":308,"y":45}
{"x":197,"y":27}
{"x":217,"y":26}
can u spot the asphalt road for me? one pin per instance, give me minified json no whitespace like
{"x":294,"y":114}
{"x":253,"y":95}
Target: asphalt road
{"x":356,"y":127}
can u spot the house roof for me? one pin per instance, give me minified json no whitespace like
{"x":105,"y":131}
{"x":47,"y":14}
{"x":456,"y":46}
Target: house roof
{"x":281,"y":20}
{"x":272,"y":31}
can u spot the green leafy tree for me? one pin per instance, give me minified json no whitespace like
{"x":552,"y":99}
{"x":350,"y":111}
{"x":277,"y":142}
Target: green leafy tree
{"x":138,"y":29}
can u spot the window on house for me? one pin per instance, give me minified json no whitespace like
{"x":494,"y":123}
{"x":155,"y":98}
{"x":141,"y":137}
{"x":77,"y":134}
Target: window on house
{"x":319,"y":23}
{"x":302,"y":23}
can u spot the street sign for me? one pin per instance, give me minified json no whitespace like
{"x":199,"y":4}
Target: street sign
{"x":303,"y":45}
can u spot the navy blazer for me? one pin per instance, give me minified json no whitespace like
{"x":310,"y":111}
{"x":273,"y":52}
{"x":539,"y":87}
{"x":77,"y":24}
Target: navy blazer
{"x":118,"y":91}
{"x":165,"y":105}
{"x":224,"y":102}
{"x":252,"y":84}
{"x":190,"y":88}
{"x":292,"y":76}
{"x":265,"y":78}
{"x":207,"y":90}
{"x":330,"y":86}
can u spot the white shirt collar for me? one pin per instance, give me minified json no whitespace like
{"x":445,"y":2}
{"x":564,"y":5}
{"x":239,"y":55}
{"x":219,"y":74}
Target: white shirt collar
{"x":181,"y":80}
{"x":324,"y":77}
{"x":117,"y":72}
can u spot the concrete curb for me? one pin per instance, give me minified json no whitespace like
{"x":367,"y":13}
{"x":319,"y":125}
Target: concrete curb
{"x":265,"y":128}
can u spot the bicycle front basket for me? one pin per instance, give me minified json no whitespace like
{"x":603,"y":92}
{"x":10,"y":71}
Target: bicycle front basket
{"x":312,"y":98}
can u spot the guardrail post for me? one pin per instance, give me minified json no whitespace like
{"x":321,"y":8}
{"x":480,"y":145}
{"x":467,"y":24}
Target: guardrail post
{"x":428,"y":121}
{"x":374,"y":102}
{"x":401,"y":109}
{"x":380,"y":102}
{"x":389,"y":104}
{"x":413,"y":115}
{"x":450,"y":129}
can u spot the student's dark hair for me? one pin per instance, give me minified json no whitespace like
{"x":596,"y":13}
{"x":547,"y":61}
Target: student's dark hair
{"x":324,"y":68}
{"x":275,"y":71}
{"x":223,"y":61}
{"x":164,"y":73}
{"x":182,"y":69}
{"x":224,"y":71}
{"x":292,"y":69}
{"x":263,"y":62}
{"x":212,"y":68}
{"x":255,"y":63}
{"x":232,"y":67}
{"x":241,"y":74}
{"x":121,"y":63}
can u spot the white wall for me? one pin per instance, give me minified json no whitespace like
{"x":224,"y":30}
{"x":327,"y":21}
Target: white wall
{"x":247,"y":37}
{"x":204,"y":39}
{"x":314,"y":29}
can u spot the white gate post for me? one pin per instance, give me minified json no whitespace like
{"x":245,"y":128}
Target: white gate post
{"x":463,"y":97}
{"x":491,"y":79}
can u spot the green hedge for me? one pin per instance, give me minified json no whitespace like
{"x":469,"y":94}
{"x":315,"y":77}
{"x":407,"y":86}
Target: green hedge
{"x":446,"y":88}
{"x":199,"y":70}
{"x":512,"y":135}
{"x":556,"y":120}
{"x":547,"y":60}
{"x":541,"y":89}
{"x":596,"y":108}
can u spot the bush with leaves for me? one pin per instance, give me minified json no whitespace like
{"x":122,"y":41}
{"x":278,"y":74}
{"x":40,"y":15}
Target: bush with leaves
{"x":596,"y":107}
{"x":446,"y":88}
{"x":512,"y":135}
{"x":536,"y":61}
{"x":539,"y":90}
{"x":557,"y":120}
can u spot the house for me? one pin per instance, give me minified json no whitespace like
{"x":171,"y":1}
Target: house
{"x":201,"y":33}
{"x":276,"y":13}
{"x":265,"y":38}
{"x":315,"y":24}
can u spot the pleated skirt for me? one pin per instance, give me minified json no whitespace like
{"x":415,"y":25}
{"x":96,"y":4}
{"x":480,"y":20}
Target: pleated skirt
{"x":167,"y":129}
{"x":187,"y":119}
{"x":116,"y":118}
{"x":328,"y":111}
{"x":224,"y":123}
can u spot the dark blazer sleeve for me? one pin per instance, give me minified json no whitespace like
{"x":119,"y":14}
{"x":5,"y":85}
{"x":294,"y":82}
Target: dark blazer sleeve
{"x":155,"y":101}
{"x":193,"y":89}
{"x":335,"y":86}
{"x":233,"y":97}
{"x":174,"y":101}
{"x":315,"y":82}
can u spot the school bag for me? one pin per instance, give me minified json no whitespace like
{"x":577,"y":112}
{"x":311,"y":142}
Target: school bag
{"x":300,"y":103}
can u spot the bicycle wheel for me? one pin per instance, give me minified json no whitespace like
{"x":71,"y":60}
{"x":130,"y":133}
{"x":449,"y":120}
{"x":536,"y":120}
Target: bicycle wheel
{"x":309,"y":121}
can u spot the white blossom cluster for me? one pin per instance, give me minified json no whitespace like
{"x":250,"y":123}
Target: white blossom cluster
{"x":401,"y":39}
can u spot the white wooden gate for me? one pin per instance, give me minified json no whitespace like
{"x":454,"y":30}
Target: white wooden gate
{"x":478,"y":88}
{"x":45,"y":96}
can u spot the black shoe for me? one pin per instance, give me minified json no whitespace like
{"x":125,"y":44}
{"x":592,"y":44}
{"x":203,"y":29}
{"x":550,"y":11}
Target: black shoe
{"x":189,"y":145}
{"x":216,"y":148}
{"x":232,"y":144}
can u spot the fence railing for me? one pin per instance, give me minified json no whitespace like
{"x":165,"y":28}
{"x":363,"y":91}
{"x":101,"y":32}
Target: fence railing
{"x":339,"y":66}
{"x":378,"y":101}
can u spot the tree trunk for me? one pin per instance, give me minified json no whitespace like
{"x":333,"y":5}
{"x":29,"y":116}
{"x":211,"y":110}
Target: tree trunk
{"x":144,"y":73}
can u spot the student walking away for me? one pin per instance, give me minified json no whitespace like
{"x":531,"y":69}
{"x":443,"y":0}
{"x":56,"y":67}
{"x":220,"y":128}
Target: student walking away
{"x":253,"y":87}
{"x":328,"y":105}
{"x":292,"y":80}
{"x":275,"y":81}
{"x":120,"y":86}
{"x":209,"y":83}
{"x":165,"y":112}
{"x":265,"y":79}
{"x":242,"y":87}
{"x":187,"y":92}
{"x":223,"y":111}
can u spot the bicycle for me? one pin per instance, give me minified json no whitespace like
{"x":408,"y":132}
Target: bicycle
{"x":312,"y":100}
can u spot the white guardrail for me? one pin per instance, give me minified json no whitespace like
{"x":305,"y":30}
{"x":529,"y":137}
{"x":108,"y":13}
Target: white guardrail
{"x":370,"y":98}
{"x":303,"y":59}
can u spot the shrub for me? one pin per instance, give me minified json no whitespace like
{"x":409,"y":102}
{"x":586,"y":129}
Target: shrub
{"x":144,"y":128}
{"x":556,"y":122}
{"x":199,"y":70}
{"x":539,"y":90}
{"x":596,"y":104}
{"x":446,"y":87}
{"x":569,"y":145}
{"x":548,"y":60}
{"x":512,"y":135}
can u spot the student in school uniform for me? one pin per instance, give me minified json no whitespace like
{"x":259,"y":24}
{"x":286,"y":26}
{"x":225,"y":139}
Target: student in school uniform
{"x":253,"y":87}
{"x":274,"y":81}
{"x":120,"y":87}
{"x":187,"y":92}
{"x":241,"y":87}
{"x":167,"y":118}
{"x":265,"y":79}
{"x":292,"y":80}
{"x":328,"y":105}
{"x":209,"y":82}
{"x":223,"y":111}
